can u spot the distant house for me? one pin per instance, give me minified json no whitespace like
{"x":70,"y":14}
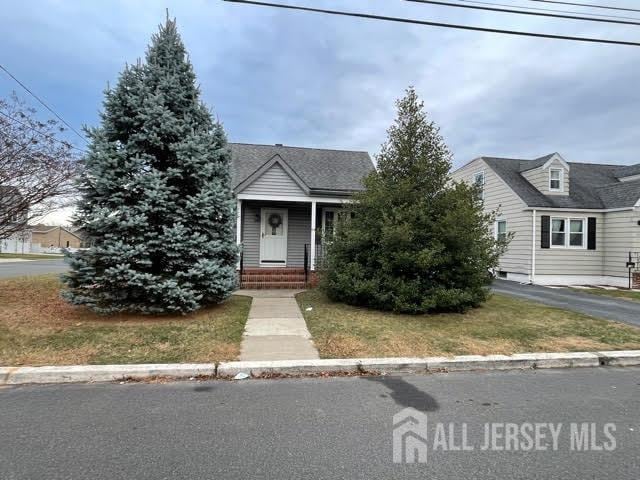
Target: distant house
{"x":15,"y":237}
{"x":573,"y":223}
{"x":288,"y":198}
{"x":45,"y":238}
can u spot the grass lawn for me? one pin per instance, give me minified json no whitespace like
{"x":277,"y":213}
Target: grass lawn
{"x":503,"y":325}
{"x":624,"y":294}
{"x":38,"y":328}
{"x":30,"y":256}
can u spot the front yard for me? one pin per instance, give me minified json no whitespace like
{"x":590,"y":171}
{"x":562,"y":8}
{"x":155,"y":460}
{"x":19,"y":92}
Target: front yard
{"x":502,"y":326}
{"x":39,"y":328}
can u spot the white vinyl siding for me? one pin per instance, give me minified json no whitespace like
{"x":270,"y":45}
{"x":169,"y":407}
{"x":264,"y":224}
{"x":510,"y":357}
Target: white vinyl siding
{"x":275,"y":181}
{"x":622,"y":235}
{"x":497,"y":196}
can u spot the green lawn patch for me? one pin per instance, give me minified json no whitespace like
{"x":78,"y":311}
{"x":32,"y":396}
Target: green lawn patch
{"x":30,"y":256}
{"x":503,"y":325}
{"x":37,"y":327}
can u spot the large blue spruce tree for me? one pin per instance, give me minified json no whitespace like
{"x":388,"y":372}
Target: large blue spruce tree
{"x":156,"y":201}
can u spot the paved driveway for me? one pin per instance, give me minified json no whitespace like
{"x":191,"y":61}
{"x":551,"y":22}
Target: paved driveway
{"x":32,"y":267}
{"x":598,"y":306}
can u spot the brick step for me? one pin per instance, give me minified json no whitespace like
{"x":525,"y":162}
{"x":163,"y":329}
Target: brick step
{"x":296,"y":277}
{"x":272,"y":285}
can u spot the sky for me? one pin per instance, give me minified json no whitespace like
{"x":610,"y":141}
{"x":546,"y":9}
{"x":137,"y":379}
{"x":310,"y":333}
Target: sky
{"x":307,"y":79}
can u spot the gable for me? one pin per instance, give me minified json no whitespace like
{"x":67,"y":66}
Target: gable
{"x":274,"y":181}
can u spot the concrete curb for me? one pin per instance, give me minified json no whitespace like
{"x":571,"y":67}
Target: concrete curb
{"x":109,"y":373}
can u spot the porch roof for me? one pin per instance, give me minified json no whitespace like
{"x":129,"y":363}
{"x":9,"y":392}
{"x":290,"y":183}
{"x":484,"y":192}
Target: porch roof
{"x":323,"y":171}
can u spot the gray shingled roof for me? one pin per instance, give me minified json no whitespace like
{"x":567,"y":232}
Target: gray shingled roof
{"x":341,"y":171}
{"x":628,"y":171}
{"x":590,"y":185}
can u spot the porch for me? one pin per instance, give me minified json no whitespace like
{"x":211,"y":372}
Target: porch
{"x":281,"y":241}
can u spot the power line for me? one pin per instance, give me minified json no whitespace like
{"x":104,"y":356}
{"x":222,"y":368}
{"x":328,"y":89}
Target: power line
{"x":43,"y":103}
{"x":436,"y":24}
{"x":606,"y":7}
{"x":46,"y":135}
{"x":540,"y":9}
{"x":520,"y":12}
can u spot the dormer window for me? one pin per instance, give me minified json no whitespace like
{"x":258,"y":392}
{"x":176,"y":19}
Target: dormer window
{"x":556,"y":179}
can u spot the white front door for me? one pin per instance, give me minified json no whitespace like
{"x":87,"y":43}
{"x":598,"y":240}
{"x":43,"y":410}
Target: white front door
{"x":273,"y":237}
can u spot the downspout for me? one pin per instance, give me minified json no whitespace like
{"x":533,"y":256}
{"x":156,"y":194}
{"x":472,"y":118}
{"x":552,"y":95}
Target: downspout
{"x":533,"y":248}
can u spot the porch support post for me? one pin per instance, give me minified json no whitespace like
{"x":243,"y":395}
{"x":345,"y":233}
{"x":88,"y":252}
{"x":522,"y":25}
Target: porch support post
{"x":238,"y":226}
{"x":313,"y":235}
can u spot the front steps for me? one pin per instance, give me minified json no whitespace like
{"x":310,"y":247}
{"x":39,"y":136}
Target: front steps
{"x":272,"y":278}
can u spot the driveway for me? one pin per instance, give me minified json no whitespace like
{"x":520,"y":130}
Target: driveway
{"x":336,"y":428}
{"x":32,"y":267}
{"x":595,"y":305}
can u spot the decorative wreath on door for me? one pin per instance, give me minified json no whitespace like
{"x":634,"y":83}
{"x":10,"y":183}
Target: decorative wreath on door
{"x":275,"y":220}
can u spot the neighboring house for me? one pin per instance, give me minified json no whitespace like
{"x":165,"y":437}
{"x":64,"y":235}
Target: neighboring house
{"x":573,"y":223}
{"x":48,"y":238}
{"x":288,"y":199}
{"x":12,"y":215}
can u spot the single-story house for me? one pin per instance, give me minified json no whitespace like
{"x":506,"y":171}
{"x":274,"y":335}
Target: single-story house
{"x":50,"y":238}
{"x":572,"y":223}
{"x":287,"y":200}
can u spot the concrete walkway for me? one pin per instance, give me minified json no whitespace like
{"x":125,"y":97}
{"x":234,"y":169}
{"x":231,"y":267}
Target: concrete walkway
{"x":276,"y":329}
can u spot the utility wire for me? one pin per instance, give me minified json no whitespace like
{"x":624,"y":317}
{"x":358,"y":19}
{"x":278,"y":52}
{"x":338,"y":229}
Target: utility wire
{"x":43,"y":103}
{"x":606,"y":7}
{"x":520,"y":12}
{"x":602,"y":15}
{"x":436,"y":24}
{"x":46,"y":135}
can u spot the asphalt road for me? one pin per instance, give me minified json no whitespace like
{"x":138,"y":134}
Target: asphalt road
{"x":315,"y":428}
{"x":598,"y":306}
{"x":32,"y":267}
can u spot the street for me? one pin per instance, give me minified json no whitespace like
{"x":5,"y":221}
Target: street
{"x":312,"y":428}
{"x":609,"y":308}
{"x":32,"y":267}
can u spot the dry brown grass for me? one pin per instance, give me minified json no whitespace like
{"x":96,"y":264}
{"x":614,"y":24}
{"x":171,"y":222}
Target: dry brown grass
{"x":503,"y":325}
{"x":37,"y":327}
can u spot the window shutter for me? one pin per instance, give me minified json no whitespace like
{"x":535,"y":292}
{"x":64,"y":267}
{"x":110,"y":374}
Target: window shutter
{"x":591,"y":233}
{"x":545,"y":231}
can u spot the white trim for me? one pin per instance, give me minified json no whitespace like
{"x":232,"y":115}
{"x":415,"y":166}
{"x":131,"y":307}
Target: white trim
{"x":238,"y":222}
{"x":560,"y":188}
{"x":285,"y":234}
{"x":533,"y":248}
{"x":554,"y":157}
{"x":313,"y":235}
{"x":582,"y":280}
{"x":293,"y":198}
{"x":583,"y":210}
{"x":497,"y":227}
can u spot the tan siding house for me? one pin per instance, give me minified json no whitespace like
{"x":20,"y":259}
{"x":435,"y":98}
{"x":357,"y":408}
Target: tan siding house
{"x":573,"y":223}
{"x":51,"y":237}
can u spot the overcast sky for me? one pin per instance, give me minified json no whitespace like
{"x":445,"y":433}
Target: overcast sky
{"x":304,"y":79}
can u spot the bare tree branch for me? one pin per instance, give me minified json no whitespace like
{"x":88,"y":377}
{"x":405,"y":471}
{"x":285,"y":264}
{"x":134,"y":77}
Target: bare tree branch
{"x":37,"y":167}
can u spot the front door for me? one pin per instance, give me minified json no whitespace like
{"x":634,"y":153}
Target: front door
{"x":273,"y":237}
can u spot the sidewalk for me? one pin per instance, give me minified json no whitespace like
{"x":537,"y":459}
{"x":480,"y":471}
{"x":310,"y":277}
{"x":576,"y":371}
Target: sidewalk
{"x":276,"y":329}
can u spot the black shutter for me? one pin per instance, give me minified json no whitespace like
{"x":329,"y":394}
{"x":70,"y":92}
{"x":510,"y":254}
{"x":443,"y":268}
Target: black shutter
{"x":591,"y":233}
{"x":545,"y":231}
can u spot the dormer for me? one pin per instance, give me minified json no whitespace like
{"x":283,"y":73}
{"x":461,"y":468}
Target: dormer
{"x":628,"y":173}
{"x":549,"y":174}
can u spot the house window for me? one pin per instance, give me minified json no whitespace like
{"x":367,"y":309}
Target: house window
{"x":501,"y":230}
{"x":328,"y":222}
{"x":478,"y":181}
{"x":556,"y":179}
{"x":574,"y":238}
{"x":558,"y":232}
